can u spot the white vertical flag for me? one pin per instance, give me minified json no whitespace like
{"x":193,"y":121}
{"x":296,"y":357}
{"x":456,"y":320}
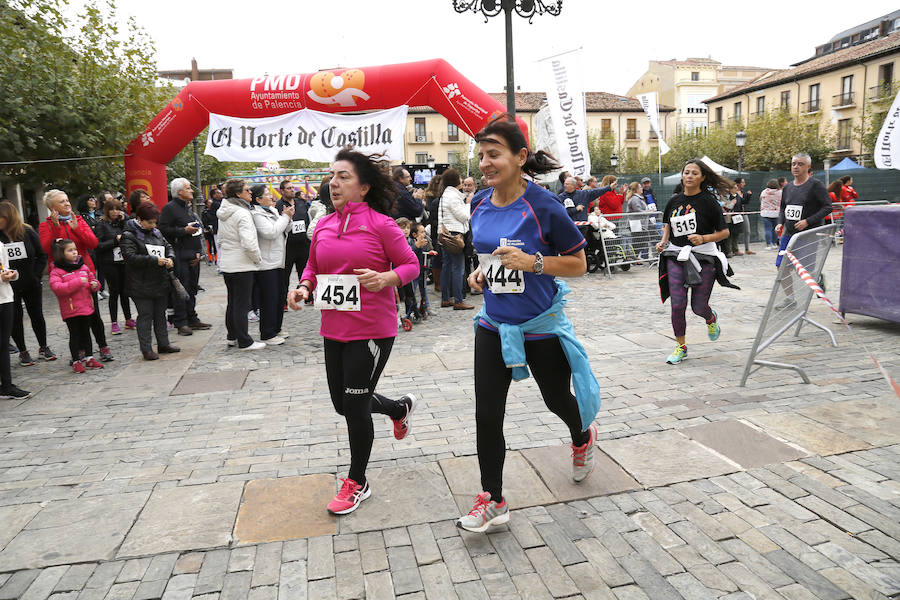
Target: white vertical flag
{"x":887,"y":147}
{"x":651,"y":109}
{"x":565,"y":96}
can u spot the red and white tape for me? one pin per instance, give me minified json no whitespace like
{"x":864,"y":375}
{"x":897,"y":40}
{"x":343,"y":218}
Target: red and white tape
{"x":808,"y":279}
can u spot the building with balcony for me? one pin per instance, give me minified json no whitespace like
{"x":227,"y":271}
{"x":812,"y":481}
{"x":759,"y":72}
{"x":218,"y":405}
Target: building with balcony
{"x":835,"y":90}
{"x":685,"y":84}
{"x":613,"y":117}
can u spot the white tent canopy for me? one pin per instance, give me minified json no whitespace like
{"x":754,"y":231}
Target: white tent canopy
{"x":713,"y":165}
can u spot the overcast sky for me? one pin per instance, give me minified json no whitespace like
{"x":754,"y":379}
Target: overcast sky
{"x":269,"y":36}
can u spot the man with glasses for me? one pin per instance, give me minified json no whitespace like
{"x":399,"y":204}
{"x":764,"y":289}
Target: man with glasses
{"x":804,"y":204}
{"x":182,"y":227}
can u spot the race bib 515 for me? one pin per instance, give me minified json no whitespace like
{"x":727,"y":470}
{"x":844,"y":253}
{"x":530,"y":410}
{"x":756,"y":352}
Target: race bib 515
{"x":684,"y":225}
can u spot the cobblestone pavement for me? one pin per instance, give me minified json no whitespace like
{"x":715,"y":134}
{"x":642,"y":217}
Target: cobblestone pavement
{"x":205,"y":474}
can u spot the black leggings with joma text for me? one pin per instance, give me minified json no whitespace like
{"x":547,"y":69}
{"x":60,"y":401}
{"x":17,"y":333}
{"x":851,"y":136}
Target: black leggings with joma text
{"x":353,"y":369}
{"x":551,"y":371}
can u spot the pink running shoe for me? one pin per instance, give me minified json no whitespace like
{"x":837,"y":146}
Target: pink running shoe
{"x":401,"y":426}
{"x":349,"y":497}
{"x":130,"y":324}
{"x":114,"y":329}
{"x":93,"y":363}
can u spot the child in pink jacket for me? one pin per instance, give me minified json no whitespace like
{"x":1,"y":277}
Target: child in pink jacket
{"x":73,"y":283}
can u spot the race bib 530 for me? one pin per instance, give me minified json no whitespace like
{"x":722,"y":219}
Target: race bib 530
{"x":792,"y":212}
{"x":338,"y":292}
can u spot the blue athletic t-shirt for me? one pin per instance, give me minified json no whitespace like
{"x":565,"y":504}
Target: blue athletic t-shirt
{"x":535,"y":222}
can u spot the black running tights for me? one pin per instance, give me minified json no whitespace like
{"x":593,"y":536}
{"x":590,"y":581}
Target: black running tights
{"x":353,"y":369}
{"x":551,"y":371}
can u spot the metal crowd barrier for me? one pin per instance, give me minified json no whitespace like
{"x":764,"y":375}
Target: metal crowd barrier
{"x":790,"y":298}
{"x":632,"y":241}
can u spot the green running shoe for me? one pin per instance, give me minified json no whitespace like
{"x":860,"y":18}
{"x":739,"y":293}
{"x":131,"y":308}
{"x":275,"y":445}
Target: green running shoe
{"x":712,"y":329}
{"x":678,"y":355}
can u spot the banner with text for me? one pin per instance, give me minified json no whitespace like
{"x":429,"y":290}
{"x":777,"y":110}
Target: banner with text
{"x":651,"y":109}
{"x":309,"y":134}
{"x":887,"y":146}
{"x":565,"y":96}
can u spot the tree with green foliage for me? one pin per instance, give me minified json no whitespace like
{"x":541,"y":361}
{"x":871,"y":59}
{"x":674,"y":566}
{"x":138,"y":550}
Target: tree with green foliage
{"x":600,"y":147}
{"x":72,"y":90}
{"x":771,"y":140}
{"x":875,"y":111}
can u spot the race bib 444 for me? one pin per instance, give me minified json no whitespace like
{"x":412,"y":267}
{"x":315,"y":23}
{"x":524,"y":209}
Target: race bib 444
{"x":499,"y":279}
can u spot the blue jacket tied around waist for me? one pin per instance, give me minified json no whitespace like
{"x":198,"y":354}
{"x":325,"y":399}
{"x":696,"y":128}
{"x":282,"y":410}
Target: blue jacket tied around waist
{"x":551,"y":321}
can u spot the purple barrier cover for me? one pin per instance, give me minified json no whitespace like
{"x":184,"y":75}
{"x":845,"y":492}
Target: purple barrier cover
{"x":870,"y":269}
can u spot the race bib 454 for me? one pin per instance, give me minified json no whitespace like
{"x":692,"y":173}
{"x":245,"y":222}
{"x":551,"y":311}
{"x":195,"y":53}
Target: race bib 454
{"x":338,"y":292}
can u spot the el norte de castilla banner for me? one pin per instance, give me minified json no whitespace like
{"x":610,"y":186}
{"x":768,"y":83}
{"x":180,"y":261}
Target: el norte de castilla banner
{"x":309,"y":134}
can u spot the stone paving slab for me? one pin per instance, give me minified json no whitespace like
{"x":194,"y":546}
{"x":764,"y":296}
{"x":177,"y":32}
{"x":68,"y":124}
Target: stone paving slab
{"x":221,"y":381}
{"x":288,"y":508}
{"x":522,"y":486}
{"x":812,"y":435}
{"x":402,"y":496}
{"x":71,"y":531}
{"x":873,"y":421}
{"x":665,"y":457}
{"x":184,"y":518}
{"x":741,"y":443}
{"x":13,"y":519}
{"x":415,"y":364}
{"x":459,"y":359}
{"x":554,"y":466}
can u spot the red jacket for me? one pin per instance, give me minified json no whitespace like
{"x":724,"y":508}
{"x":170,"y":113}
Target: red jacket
{"x":848,"y":194}
{"x":610,"y":204}
{"x":84,"y":238}
{"x":75,"y":298}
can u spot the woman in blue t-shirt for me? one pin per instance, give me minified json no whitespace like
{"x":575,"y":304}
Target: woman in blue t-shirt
{"x":524,"y":238}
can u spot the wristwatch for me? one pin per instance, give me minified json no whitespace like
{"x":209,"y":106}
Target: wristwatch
{"x":538,"y":266}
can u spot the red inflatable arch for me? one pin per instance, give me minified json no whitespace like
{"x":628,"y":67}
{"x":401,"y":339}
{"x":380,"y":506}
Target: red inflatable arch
{"x":431,"y":83}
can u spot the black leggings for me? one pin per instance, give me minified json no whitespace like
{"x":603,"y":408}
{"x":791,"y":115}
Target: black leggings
{"x":353,"y":369}
{"x":33,"y":304}
{"x":115,"y":285}
{"x":96,"y":322}
{"x":80,"y":336}
{"x":552,"y":373}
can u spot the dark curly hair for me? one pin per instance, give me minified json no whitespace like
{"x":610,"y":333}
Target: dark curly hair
{"x":381,"y":192}
{"x":506,"y":127}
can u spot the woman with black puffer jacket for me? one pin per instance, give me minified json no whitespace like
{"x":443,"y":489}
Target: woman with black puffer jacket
{"x":23,"y":248}
{"x":148,"y":261}
{"x":109,"y":230}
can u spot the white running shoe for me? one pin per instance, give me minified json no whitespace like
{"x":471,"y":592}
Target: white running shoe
{"x":255,"y":346}
{"x":274,"y":341}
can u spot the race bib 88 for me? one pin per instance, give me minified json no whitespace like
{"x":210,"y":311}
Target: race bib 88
{"x":338,"y":292}
{"x":16,"y":250}
{"x":499,"y":279}
{"x":684,"y":225}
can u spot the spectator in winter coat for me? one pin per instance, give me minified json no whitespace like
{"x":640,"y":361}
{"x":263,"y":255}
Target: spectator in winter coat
{"x":407,"y":206}
{"x":148,"y":259}
{"x":109,"y":231}
{"x":296,"y":249}
{"x":769,"y":203}
{"x":182,"y":227}
{"x":27,"y":258}
{"x":64,"y":224}
{"x":577,"y":202}
{"x":239,"y":259}
{"x":611,"y":201}
{"x":75,"y":286}
{"x":271,"y":232}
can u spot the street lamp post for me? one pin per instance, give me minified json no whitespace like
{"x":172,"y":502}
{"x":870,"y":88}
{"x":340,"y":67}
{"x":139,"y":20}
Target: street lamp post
{"x":613,"y":162}
{"x":740,"y":139}
{"x":827,"y":164}
{"x":430,"y":162}
{"x":524,"y":8}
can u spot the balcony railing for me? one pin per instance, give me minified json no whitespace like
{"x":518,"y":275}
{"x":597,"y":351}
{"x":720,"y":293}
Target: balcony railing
{"x":607,"y":135}
{"x":632,"y":134}
{"x":844,"y":142}
{"x":881,"y":92}
{"x":446,"y":138}
{"x":718,"y":124}
{"x":420,"y":138}
{"x":757,"y":114}
{"x":841,"y":100}
{"x":811,"y":106}
{"x":736,"y":119}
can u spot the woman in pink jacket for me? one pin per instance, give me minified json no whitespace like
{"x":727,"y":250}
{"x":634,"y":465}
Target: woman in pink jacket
{"x":357,"y":257}
{"x":74,"y":284}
